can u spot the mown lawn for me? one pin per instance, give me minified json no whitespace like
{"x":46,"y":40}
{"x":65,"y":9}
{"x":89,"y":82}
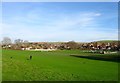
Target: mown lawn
{"x":57,"y":65}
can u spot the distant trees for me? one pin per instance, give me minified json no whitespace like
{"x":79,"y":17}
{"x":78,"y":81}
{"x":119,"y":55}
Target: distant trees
{"x":18,"y":41}
{"x":6,"y":41}
{"x":18,"y":44}
{"x":24,"y":44}
{"x":21,"y":43}
{"x":69,"y":45}
{"x":72,"y":45}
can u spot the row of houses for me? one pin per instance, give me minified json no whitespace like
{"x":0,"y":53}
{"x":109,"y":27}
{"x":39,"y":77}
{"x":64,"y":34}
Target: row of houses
{"x":104,"y":46}
{"x":64,"y":45}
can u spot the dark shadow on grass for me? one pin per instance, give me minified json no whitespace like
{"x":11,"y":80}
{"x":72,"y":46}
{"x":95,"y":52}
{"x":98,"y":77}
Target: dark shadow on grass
{"x":112,"y":58}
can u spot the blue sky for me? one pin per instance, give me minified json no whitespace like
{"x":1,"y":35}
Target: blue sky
{"x":62,"y":21}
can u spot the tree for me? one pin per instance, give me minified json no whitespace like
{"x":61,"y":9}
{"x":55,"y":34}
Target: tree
{"x":72,"y":45}
{"x":18,"y":41}
{"x":6,"y":41}
{"x":26,"y":42}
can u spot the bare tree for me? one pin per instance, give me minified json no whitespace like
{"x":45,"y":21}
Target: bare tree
{"x":18,"y":41}
{"x":6,"y":41}
{"x":26,"y":41}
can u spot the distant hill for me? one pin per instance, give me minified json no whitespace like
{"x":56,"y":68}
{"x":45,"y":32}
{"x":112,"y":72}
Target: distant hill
{"x":107,"y":41}
{"x":100,"y":41}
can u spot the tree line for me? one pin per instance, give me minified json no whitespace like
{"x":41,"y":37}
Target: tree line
{"x":24,"y":44}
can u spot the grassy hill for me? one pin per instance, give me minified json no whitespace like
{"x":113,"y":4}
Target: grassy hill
{"x":107,"y":41}
{"x":56,"y":66}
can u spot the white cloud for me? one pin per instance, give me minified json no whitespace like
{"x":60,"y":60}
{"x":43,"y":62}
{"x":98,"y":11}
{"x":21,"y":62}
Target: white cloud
{"x":78,"y":27}
{"x":97,"y":14}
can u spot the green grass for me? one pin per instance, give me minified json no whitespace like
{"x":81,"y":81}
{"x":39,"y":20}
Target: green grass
{"x":0,"y":65}
{"x":55,"y":66}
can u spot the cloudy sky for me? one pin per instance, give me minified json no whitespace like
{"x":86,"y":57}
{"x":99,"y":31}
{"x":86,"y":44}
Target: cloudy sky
{"x":62,"y":21}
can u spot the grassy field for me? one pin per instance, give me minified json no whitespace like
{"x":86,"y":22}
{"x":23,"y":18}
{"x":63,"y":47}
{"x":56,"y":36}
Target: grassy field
{"x":0,"y":65}
{"x":56,"y":66}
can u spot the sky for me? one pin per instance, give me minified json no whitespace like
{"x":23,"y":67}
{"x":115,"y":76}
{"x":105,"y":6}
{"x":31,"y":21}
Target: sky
{"x":60,"y":21}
